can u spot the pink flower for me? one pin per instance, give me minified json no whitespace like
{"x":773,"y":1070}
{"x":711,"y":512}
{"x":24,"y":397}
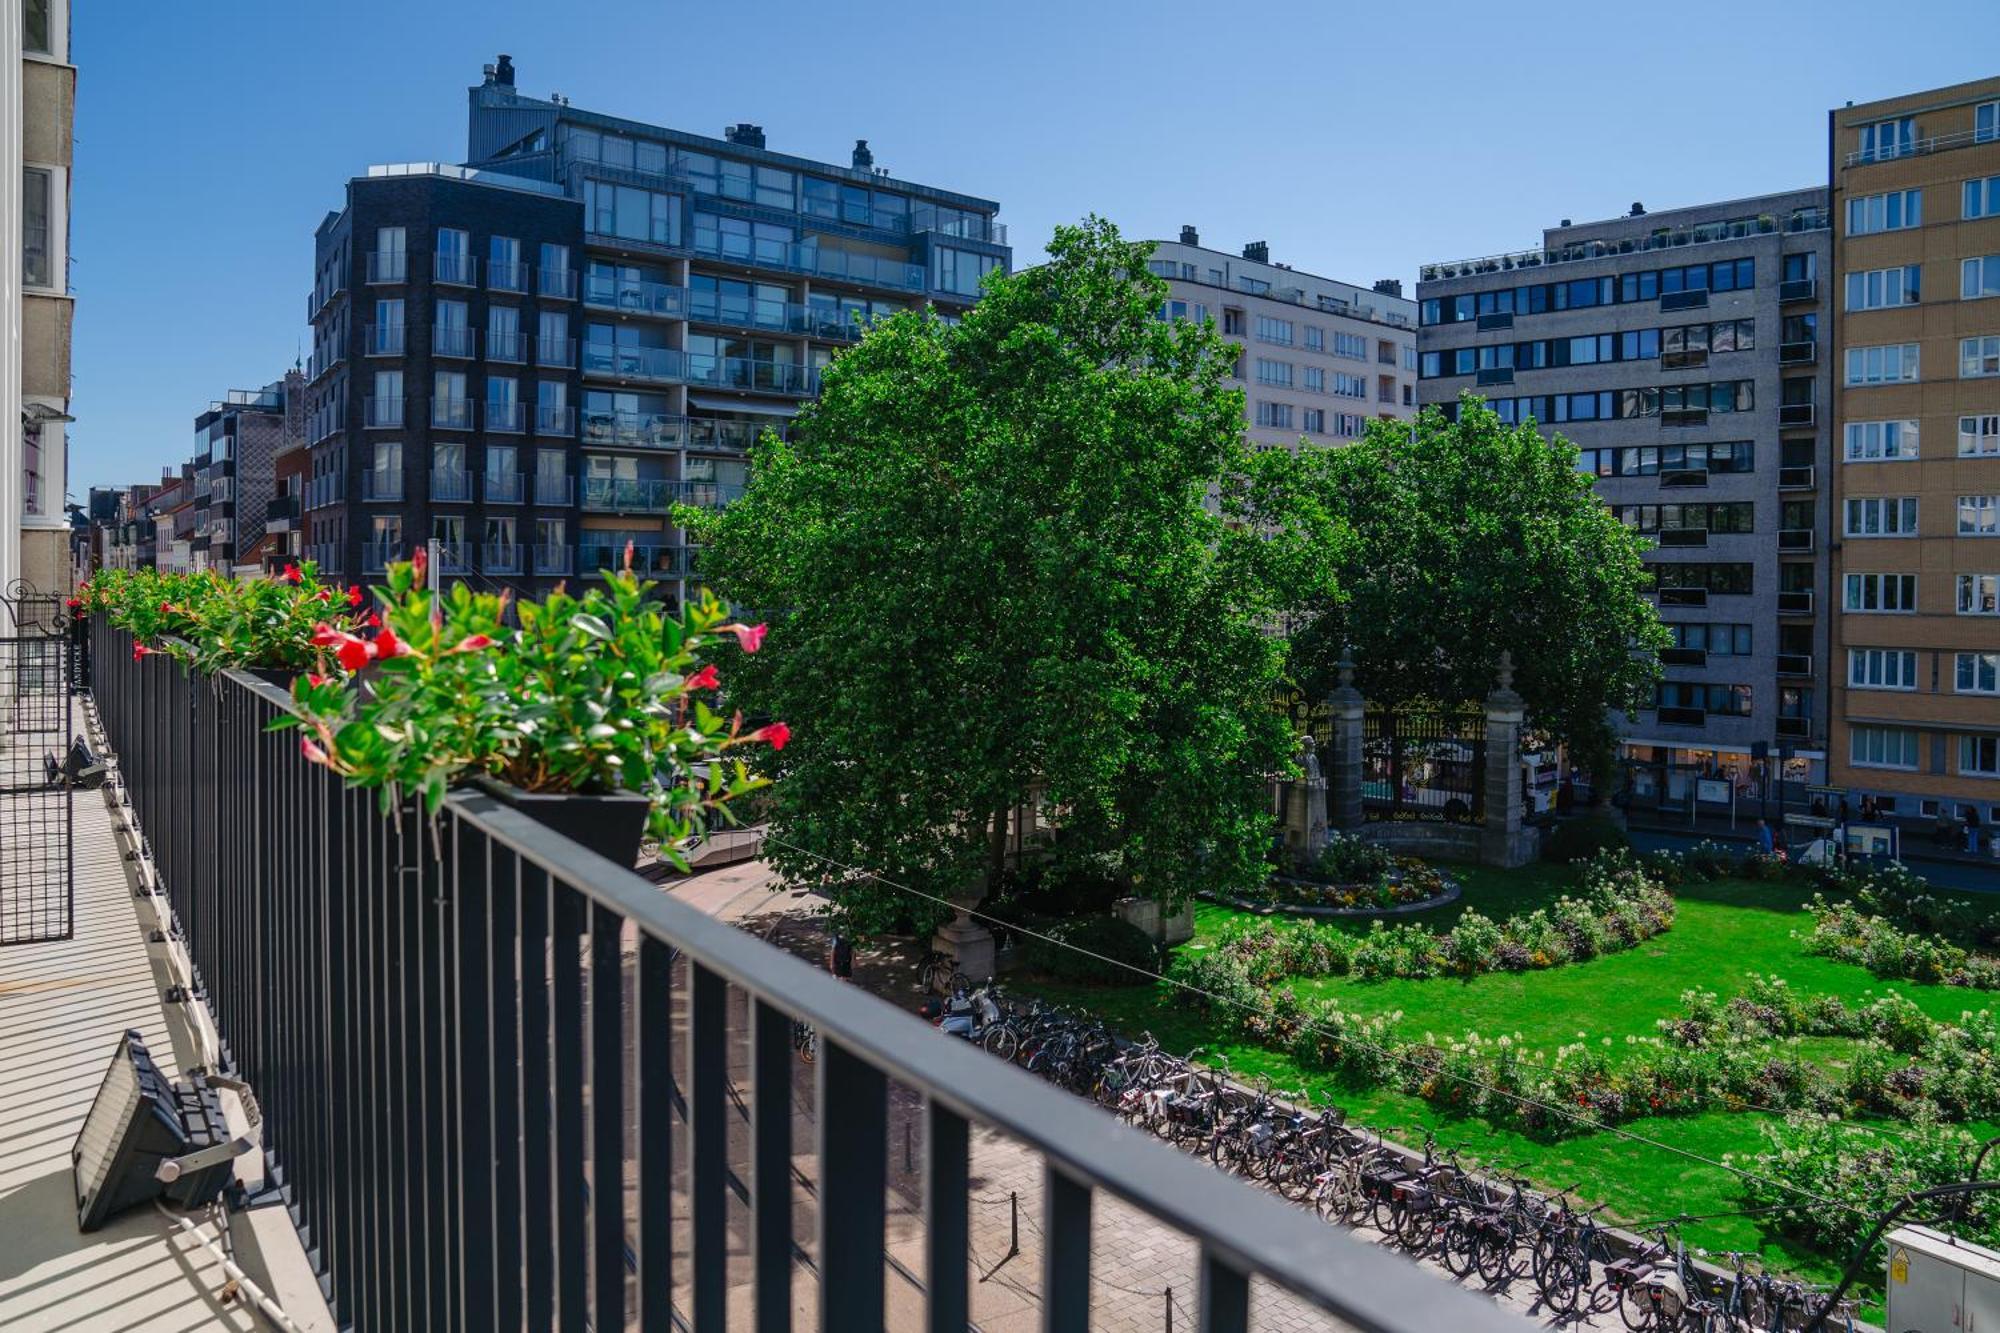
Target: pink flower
{"x":312,"y":750}
{"x":292,"y":574}
{"x":314,"y":679}
{"x":472,"y":643}
{"x":140,"y":652}
{"x":778,"y":733}
{"x":166,"y":608}
{"x":323,"y":595}
{"x":749,"y":637}
{"x":326,"y":636}
{"x":704,"y":679}
{"x":419,"y":561}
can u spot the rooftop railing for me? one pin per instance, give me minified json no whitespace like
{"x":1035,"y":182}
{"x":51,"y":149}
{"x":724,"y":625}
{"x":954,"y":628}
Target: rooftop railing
{"x":455,"y":1028}
{"x":1665,"y":238}
{"x":1937,"y":143}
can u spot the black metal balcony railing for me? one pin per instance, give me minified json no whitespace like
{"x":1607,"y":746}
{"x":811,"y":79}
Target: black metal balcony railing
{"x":559,"y":352}
{"x":454,"y":1032}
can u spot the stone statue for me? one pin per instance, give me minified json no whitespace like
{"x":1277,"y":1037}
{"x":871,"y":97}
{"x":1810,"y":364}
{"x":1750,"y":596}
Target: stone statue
{"x":1315,"y":785}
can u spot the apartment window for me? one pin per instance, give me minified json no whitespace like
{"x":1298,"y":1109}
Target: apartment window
{"x":1881,"y":441}
{"x":1350,"y":345}
{"x":1717,"y":640}
{"x":1979,"y":756}
{"x":1978,"y":436}
{"x":1315,"y":379}
{"x":1232,"y":322}
{"x":1409,"y":357}
{"x":1895,"y":364}
{"x":631,"y":213}
{"x":1982,"y":198}
{"x":1277,"y":331}
{"x":1979,"y":277}
{"x":454,"y":255}
{"x":1884,"y":593}
{"x":1882,"y":747}
{"x":1315,"y":421}
{"x":1315,"y":338}
{"x":1894,"y":211}
{"x":1728,"y":700}
{"x":1879,"y":288}
{"x":38,"y":27}
{"x":1881,"y":668}
{"x":1986,"y":122}
{"x":1979,"y":594}
{"x":1278,"y":373}
{"x":1888,"y":138}
{"x":37,"y":227}
{"x":1275,"y":415}
{"x":1977,"y":673}
{"x":1191,"y":311}
{"x":1882,"y":516}
{"x":1977,"y":515}
{"x":1979,"y":358}
{"x":1409,"y":395}
{"x":1732,"y":516}
{"x":1349,"y":386}
{"x":503,"y":267}
{"x":1732,"y":579}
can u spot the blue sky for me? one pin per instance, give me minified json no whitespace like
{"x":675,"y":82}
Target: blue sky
{"x":1360,"y":140}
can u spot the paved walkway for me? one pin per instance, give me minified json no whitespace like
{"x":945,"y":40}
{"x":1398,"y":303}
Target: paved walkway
{"x":62,"y":1008}
{"x":1140,"y":1268}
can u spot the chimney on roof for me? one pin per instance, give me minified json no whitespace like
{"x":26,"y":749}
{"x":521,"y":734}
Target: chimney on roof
{"x":503,"y":71}
{"x":1564,"y":222}
{"x":1638,"y":210}
{"x":1189,"y":236}
{"x":1258,"y":252}
{"x":1389,"y":286}
{"x":863,"y":159}
{"x":746,"y":134}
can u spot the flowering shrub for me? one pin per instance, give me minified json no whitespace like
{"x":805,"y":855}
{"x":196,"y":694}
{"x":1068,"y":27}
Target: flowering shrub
{"x":592,"y":694}
{"x":214,"y":623}
{"x":1845,"y":931}
{"x":1351,"y":874}
{"x":1347,"y":859}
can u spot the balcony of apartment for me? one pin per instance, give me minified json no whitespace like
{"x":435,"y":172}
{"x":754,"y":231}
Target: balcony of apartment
{"x":451,"y":485}
{"x":658,"y":365}
{"x":555,"y":421}
{"x":556,"y":284}
{"x":621,"y":495}
{"x":552,"y":490}
{"x":1664,"y":238}
{"x":1795,"y":541}
{"x":451,"y":340}
{"x":501,"y":558}
{"x":381,"y":486}
{"x":1798,"y":603}
{"x":388,"y":266}
{"x":452,"y":557}
{"x":451,"y":413}
{"x":331,"y":557}
{"x":814,"y":260}
{"x":327,"y":420}
{"x":1937,"y":143}
{"x":455,"y":270}
{"x":455,"y":1041}
{"x":637,"y":430}
{"x":1799,"y":665}
{"x":1796,"y":290}
{"x":506,"y":276}
{"x":383,"y":413}
{"x":377,"y":555}
{"x":384,"y":340}
{"x":321,"y":362}
{"x":707,"y":494}
{"x":751,"y":376}
{"x":320,"y":298}
{"x":598,"y":552}
{"x":1796,"y":478}
{"x":1794,"y":728}
{"x":604,"y":292}
{"x":554,"y":560}
{"x":510,"y":346}
{"x":1796,"y":416}
{"x":1801,"y":353}
{"x":281,"y":514}
{"x":507,"y":418}
{"x":556,"y":353}
{"x":501,"y":488}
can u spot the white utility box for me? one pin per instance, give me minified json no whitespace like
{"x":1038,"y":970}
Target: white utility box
{"x":1939,"y":1284}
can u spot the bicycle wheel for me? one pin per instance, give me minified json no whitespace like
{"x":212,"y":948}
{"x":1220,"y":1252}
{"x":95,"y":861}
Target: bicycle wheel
{"x":1496,"y":1255}
{"x":1564,"y":1275}
{"x":1636,"y":1308}
{"x":1001,"y":1040}
{"x":1458,"y":1248}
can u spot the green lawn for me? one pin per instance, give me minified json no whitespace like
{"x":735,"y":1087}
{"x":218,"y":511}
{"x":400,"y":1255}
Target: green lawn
{"x":1721,"y":932}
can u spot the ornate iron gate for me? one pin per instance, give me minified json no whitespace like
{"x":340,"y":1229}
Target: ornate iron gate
{"x":37,"y":870}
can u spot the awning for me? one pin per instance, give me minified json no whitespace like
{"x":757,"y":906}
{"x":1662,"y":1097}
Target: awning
{"x":742,"y":405}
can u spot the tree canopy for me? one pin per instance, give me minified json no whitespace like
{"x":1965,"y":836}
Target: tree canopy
{"x":996,"y":574}
{"x":1449,"y":541}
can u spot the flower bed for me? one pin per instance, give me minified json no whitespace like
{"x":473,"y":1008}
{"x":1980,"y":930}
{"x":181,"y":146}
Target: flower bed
{"x":1845,"y":931}
{"x":1617,"y":906}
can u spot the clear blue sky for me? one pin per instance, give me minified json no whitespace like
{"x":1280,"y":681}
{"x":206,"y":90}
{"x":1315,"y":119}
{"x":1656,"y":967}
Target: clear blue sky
{"x":1359,"y":139}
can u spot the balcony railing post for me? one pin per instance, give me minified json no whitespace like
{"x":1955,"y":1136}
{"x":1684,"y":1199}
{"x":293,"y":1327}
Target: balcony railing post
{"x":947,"y":1234}
{"x":607,"y":1110}
{"x":471,"y":1020}
{"x":566,"y":1038}
{"x":653,"y":1133}
{"x":853,"y":1163}
{"x":534,"y":1093}
{"x":1065,"y":1251}
{"x":771,"y":1166}
{"x":708,"y":1145}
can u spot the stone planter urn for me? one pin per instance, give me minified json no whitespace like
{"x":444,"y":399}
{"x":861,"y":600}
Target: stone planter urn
{"x":965,"y":938}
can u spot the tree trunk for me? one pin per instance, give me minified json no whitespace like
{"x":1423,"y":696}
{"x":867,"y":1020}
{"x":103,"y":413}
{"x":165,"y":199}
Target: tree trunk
{"x":996,"y":851}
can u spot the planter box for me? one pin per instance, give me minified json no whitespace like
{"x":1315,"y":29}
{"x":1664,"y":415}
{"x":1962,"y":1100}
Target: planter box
{"x":611,"y":825}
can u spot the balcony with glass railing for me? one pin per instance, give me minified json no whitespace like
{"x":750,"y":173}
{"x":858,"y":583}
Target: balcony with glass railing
{"x":383,"y":413}
{"x":501,"y":557}
{"x":751,"y":376}
{"x":451,"y":484}
{"x":501,"y":488}
{"x":660,"y":364}
{"x":556,"y":283}
{"x":627,"y":495}
{"x":638,"y":430}
{"x":458,"y":270}
{"x":509,"y":418}
{"x":555,"y":421}
{"x":452,"y":413}
{"x":388,"y":266}
{"x":506,"y":276}
{"x":383,"y":340}
{"x":598,"y":552}
{"x":551,"y":490}
{"x":451,"y":340}
{"x":327,"y":420}
{"x":453,"y":557}
{"x":607,"y":292}
{"x":707,"y":494}
{"x":376,"y":555}
{"x":382,"y":486}
{"x":507,"y":345}
{"x":813,"y":259}
{"x":559,"y":353}
{"x":1664,"y":238}
{"x":552,"y":559}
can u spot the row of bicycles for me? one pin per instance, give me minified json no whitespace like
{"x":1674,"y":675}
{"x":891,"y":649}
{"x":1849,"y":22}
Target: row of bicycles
{"x":1480,"y":1225}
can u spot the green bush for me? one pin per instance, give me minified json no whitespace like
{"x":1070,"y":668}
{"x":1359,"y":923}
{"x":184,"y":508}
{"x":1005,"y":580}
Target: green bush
{"x":1580,"y":839}
{"x":1090,"y":950}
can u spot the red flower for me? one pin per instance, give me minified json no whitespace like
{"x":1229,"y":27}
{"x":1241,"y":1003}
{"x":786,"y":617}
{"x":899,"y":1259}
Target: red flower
{"x":704,"y":679}
{"x":323,"y":595}
{"x":312,"y":750}
{"x":749,"y":637}
{"x":166,"y":608}
{"x":388,"y":645}
{"x":314,"y":679}
{"x":140,"y":652}
{"x":778,"y":734}
{"x":73,"y":603}
{"x":472,"y":643}
{"x":292,"y":574}
{"x":326,"y":636}
{"x":374,"y":620}
{"x":354,"y":594}
{"x":354,"y":653}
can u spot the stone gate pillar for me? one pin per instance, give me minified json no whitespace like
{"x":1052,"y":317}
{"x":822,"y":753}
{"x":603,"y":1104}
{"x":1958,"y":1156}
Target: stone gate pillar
{"x":1502,"y":839}
{"x":1343,"y":760}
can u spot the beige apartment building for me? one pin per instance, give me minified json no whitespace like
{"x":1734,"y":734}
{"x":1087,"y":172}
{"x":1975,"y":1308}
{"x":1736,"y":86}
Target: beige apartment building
{"x":1916,"y":520}
{"x":1320,"y":356}
{"x":37,"y":111}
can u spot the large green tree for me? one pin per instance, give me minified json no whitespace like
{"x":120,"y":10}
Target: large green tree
{"x":995,"y":572}
{"x":1459,"y":539}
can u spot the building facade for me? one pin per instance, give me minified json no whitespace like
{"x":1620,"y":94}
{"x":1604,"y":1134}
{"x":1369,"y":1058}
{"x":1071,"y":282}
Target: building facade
{"x":1682,"y":353}
{"x":1916,"y":210}
{"x":1320,"y":356}
{"x":532,"y":358}
{"x":37,"y":116}
{"x":236,"y":445}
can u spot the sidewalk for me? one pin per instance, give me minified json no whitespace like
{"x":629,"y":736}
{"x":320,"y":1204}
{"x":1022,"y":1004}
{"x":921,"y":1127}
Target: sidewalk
{"x":1966,"y":870}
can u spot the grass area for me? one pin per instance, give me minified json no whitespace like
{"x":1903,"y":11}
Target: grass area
{"x":1722,"y":931}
